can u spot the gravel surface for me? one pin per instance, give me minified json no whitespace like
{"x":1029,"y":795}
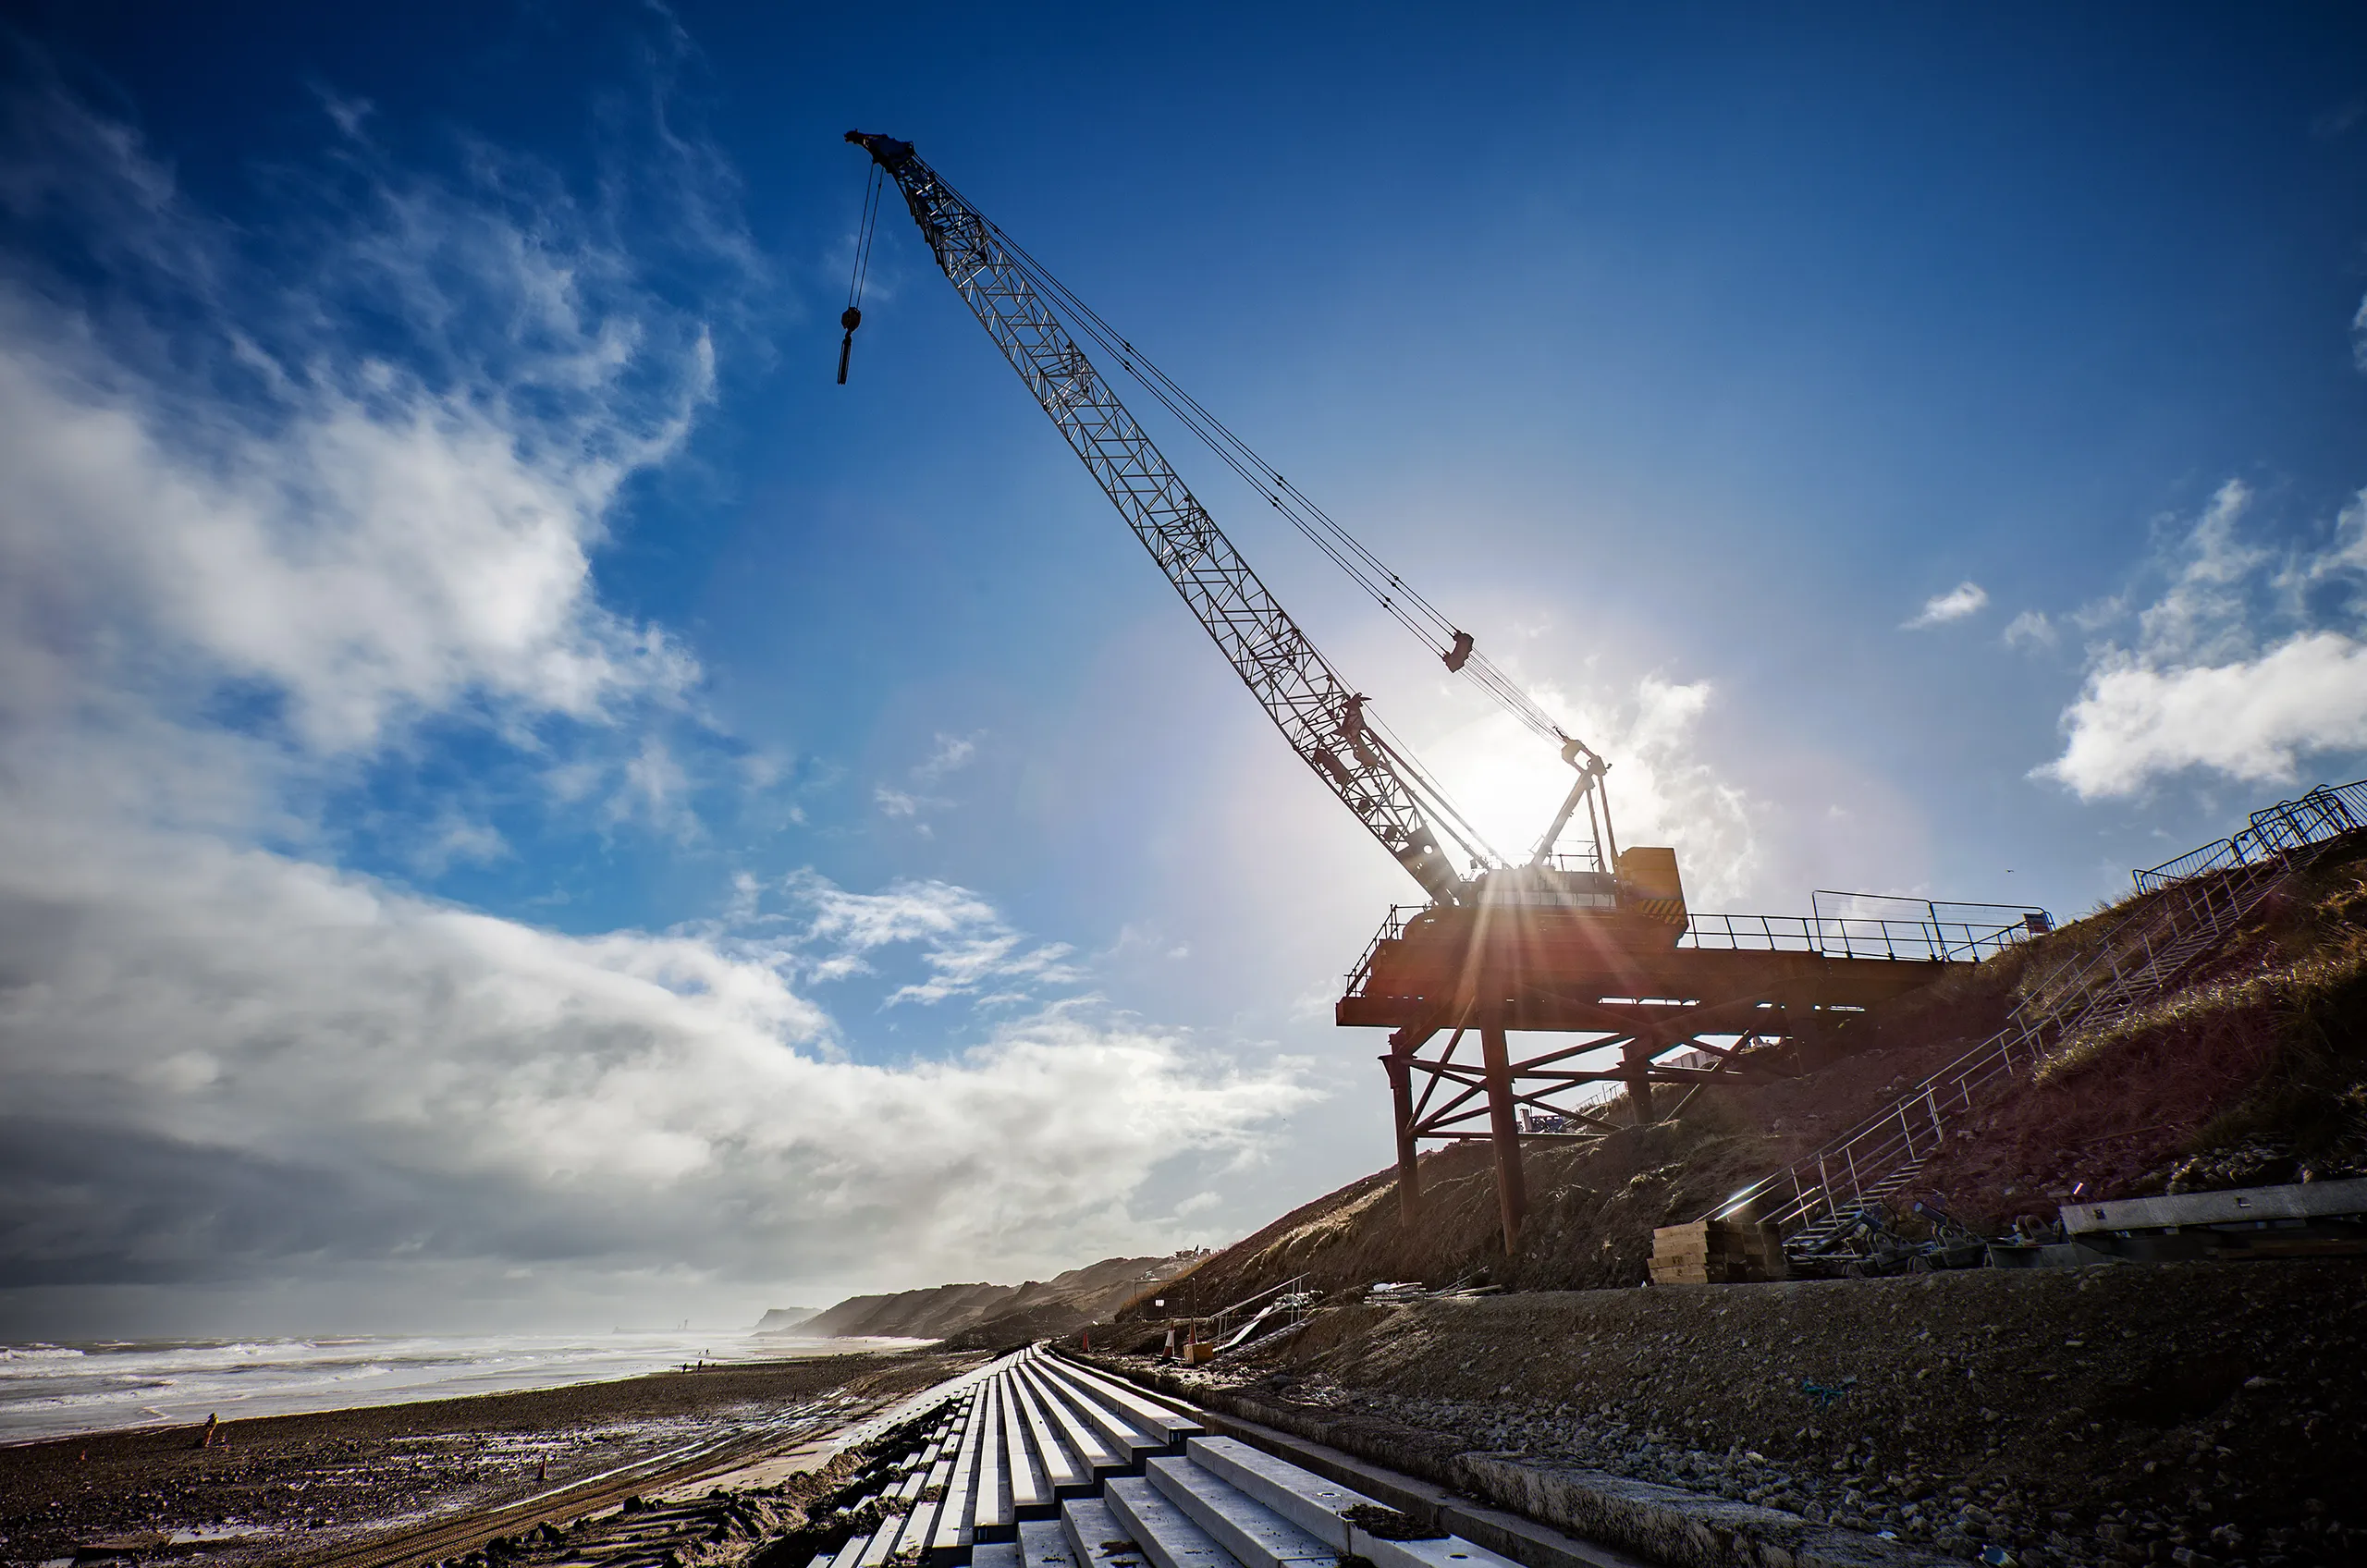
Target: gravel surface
{"x":2190,"y":1414}
{"x":281,"y":1486}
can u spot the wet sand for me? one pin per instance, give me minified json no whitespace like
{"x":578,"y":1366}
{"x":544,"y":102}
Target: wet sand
{"x":285,"y":1486}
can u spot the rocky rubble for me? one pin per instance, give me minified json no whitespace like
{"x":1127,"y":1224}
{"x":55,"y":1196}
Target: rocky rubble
{"x":2191,"y":1413}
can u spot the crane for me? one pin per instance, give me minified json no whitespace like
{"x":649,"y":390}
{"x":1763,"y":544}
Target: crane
{"x":1322,"y":716}
{"x":1591,"y":948}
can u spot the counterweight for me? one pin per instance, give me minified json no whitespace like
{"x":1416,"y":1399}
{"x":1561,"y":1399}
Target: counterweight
{"x":1318,"y":712}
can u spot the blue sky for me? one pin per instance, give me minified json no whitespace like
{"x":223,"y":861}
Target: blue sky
{"x":511,"y":753}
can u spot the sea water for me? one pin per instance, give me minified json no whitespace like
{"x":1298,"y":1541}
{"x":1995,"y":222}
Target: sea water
{"x":48,"y":1390}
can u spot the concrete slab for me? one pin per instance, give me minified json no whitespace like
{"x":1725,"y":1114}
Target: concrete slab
{"x":1044,"y":1543}
{"x":851,"y":1552}
{"x":1685,"y":1529}
{"x":1031,"y":1494}
{"x":1253,"y":1534}
{"x":1151,"y":1415}
{"x":1097,"y":1536}
{"x":2303,"y":1200}
{"x":1117,"y":1433}
{"x":1321,"y":1508}
{"x":1094,"y":1456}
{"x":1064,"y":1474}
{"x":993,"y":1514}
{"x":1164,"y":1532}
{"x":953,"y":1529}
{"x":1300,"y":1496}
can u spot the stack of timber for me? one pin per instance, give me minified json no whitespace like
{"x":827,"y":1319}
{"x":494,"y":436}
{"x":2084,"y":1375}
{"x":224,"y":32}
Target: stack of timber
{"x":1716,"y":1251}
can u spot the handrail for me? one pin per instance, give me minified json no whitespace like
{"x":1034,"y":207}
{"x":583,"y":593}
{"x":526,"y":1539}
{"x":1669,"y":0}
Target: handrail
{"x":2323,"y":812}
{"x":1835,"y":935}
{"x":1221,"y":1313}
{"x":1393,"y":925}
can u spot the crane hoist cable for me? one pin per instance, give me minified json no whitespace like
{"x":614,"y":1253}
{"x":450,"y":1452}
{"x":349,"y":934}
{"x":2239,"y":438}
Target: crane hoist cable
{"x":851,"y":317}
{"x":1036,"y":323}
{"x":1402,"y":601}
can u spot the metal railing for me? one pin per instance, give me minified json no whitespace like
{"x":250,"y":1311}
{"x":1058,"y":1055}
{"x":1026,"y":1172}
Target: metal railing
{"x":1833,"y":936}
{"x":1836,"y":935}
{"x":1392,"y":927}
{"x":1230,"y":1327}
{"x":2276,"y":830}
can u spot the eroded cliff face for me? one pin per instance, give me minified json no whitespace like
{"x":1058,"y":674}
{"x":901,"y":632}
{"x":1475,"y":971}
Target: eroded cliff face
{"x":786,"y":1319}
{"x":937,"y":1312}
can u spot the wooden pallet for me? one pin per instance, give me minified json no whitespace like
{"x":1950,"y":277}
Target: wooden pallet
{"x":1716,"y":1251}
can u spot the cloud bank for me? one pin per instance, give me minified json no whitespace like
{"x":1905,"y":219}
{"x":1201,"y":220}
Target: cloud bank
{"x":258,"y":540}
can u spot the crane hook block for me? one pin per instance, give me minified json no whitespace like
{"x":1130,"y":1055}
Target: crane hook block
{"x":850,"y":319}
{"x":1459,"y":654}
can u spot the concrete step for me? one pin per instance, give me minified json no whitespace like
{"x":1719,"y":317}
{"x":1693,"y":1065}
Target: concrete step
{"x":1031,"y":1492}
{"x":1097,"y":1537}
{"x":1166,"y":1534}
{"x":1044,"y":1543}
{"x":1325,"y":1510}
{"x":1093,"y":1455}
{"x":1028,"y":1468}
{"x":991,"y":1495}
{"x":956,"y":1519}
{"x":1004,"y":1440}
{"x":1064,"y":1472}
{"x":1147,"y":1415}
{"x":1254,"y":1533}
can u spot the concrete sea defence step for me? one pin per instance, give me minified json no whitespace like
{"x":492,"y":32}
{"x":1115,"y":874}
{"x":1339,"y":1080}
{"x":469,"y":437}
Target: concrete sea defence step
{"x":1037,"y":1461}
{"x":1537,"y":1513}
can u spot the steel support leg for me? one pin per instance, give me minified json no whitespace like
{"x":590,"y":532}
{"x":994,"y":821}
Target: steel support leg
{"x":1409,"y":1170}
{"x":1504,"y":1119}
{"x":1636,"y":1056}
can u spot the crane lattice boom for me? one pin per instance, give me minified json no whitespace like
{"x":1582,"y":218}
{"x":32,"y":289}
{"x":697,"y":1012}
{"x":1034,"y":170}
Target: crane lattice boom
{"x":1318,"y":712}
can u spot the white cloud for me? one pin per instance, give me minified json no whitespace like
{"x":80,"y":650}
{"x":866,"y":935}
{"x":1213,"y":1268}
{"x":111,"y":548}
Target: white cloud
{"x":2032,"y":629}
{"x":1964,"y":599}
{"x":2251,"y":719}
{"x":964,"y":943}
{"x":2201,"y":686}
{"x":627,"y":1098}
{"x":2204,"y":612}
{"x":224,"y":590}
{"x":951,"y":753}
{"x":948,"y":754}
{"x":2346,"y":559}
{"x":2359,"y":338}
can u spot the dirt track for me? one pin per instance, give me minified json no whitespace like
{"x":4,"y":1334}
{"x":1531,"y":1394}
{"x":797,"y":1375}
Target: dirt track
{"x":2093,"y":1415}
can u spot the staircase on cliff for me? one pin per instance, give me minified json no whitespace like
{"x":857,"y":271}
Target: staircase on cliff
{"x":2192,"y":905}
